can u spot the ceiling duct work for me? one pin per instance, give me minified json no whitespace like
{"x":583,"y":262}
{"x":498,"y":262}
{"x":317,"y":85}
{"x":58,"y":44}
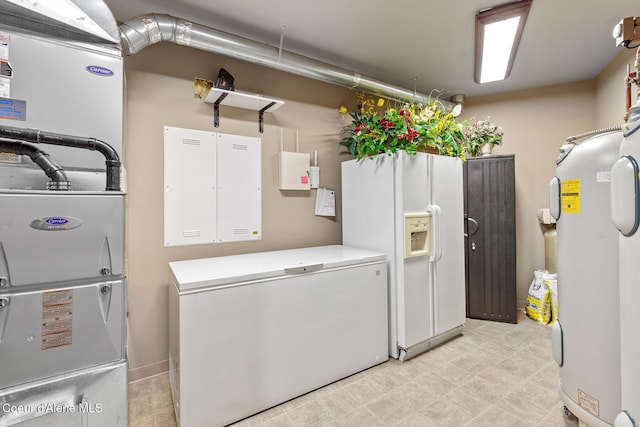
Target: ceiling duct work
{"x":145,"y":30}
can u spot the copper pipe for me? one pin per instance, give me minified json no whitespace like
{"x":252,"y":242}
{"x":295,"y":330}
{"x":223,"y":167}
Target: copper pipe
{"x":627,"y":93}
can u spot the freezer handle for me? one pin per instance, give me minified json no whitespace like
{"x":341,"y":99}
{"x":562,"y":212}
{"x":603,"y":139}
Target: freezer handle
{"x":436,"y":254}
{"x":301,"y":269}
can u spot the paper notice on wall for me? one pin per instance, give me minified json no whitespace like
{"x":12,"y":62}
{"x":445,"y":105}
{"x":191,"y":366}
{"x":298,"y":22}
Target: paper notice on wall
{"x":325,"y":202}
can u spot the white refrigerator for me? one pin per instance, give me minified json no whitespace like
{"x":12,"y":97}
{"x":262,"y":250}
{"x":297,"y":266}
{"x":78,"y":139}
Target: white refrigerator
{"x":410,"y":207}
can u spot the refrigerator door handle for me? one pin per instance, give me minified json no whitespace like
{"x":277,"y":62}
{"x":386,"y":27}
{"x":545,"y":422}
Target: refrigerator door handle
{"x":436,"y":252}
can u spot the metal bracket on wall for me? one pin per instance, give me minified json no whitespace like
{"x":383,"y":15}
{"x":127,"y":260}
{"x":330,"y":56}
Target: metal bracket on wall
{"x":216,"y":109}
{"x":261,"y":116}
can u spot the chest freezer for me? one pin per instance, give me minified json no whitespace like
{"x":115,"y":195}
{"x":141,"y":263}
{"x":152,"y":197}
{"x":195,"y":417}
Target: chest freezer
{"x":248,"y":332}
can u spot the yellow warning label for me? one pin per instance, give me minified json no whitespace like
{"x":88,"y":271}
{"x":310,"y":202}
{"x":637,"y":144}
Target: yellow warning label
{"x":570,"y":196}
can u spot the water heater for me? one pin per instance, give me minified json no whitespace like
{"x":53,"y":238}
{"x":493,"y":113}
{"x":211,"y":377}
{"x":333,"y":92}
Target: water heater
{"x":588,"y":280}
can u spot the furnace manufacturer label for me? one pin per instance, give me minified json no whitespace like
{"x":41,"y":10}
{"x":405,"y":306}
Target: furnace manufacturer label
{"x":55,"y":223}
{"x":57,"y":319}
{"x":589,"y":403}
{"x":570,"y":196}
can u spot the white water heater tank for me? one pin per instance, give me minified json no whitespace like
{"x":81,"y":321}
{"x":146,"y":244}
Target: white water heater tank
{"x":588,"y":280}
{"x":625,"y":212}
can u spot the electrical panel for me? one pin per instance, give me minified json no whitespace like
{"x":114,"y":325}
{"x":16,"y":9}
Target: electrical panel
{"x":212,"y":187}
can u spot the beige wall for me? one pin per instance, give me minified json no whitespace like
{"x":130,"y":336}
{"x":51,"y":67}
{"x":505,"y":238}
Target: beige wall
{"x":160,"y":93}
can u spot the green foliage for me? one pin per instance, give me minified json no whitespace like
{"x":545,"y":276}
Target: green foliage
{"x":411,"y":128}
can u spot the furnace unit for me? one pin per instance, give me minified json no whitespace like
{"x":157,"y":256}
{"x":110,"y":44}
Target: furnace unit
{"x":63,"y":290}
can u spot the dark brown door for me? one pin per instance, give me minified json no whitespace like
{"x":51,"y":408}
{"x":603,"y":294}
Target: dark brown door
{"x":490,"y":230}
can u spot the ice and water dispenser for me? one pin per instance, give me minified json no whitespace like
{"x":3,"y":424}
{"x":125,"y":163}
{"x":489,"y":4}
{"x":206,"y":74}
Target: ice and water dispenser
{"x":417,"y":235}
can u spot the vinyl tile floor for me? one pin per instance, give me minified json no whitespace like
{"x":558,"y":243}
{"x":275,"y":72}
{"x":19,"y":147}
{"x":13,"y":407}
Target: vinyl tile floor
{"x":494,"y":374}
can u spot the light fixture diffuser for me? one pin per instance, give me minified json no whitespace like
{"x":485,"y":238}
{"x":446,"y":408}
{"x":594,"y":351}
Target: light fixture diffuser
{"x":498,"y":33}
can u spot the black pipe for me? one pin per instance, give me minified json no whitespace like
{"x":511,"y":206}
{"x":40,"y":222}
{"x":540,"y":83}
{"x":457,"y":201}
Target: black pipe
{"x":40,"y":158}
{"x":40,"y":137}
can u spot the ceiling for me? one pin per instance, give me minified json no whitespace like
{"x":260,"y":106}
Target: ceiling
{"x":416,"y":44}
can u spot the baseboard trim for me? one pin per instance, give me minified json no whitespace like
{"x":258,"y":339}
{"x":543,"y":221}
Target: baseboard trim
{"x":148,"y":370}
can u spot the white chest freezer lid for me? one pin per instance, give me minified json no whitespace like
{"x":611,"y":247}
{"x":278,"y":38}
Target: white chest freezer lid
{"x":217,"y":271}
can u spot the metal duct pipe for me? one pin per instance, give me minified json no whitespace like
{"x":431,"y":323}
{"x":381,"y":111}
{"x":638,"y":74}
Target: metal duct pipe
{"x":58,"y":178}
{"x":41,"y":137}
{"x":144,"y":30}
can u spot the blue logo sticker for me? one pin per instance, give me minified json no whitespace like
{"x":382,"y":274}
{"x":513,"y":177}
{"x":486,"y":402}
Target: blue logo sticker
{"x":99,"y":71}
{"x":55,"y":223}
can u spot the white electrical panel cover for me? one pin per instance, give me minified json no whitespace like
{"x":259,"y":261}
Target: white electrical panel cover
{"x":239,"y":188}
{"x":212,"y":187}
{"x":189,"y":187}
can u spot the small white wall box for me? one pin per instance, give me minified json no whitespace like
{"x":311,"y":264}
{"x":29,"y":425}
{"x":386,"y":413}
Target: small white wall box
{"x":212,"y":187}
{"x":294,"y":170}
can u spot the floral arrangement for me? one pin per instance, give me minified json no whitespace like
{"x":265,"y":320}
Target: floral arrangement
{"x":409,"y":127}
{"x":478,"y":133}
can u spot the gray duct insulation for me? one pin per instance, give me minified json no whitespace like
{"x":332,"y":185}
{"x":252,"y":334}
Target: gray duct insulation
{"x":145,"y":30}
{"x":58,"y":178}
{"x":40,"y":137}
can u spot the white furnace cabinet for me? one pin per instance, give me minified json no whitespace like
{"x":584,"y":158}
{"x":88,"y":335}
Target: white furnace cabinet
{"x":248,"y":332}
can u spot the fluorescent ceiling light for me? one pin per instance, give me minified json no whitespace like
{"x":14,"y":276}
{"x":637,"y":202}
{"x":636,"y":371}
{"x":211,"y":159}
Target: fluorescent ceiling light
{"x":498,"y":33}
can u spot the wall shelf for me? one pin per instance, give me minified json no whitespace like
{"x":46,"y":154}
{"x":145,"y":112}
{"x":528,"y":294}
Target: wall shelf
{"x":237,"y":99}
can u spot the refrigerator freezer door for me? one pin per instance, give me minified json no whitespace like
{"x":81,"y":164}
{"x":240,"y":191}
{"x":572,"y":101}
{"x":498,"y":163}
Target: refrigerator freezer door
{"x":368,"y":191}
{"x":448,"y":272}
